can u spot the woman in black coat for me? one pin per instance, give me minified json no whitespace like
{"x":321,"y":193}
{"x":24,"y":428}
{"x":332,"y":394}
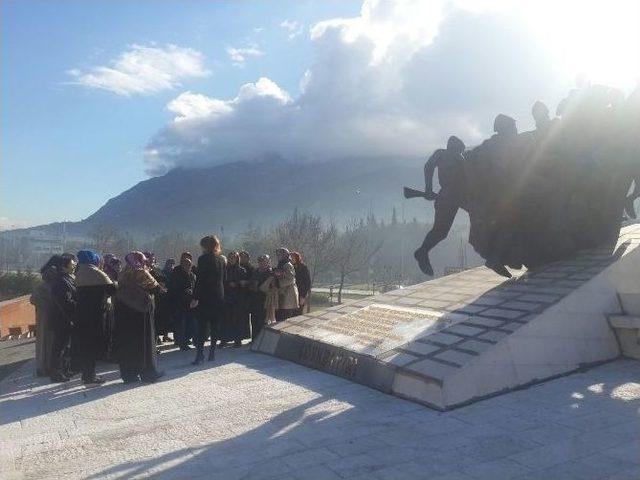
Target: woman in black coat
{"x":89,"y":337}
{"x":236,"y":295}
{"x":42,"y":301}
{"x":303,"y":280}
{"x":62,"y":314}
{"x":179,"y":295}
{"x":209,"y":295}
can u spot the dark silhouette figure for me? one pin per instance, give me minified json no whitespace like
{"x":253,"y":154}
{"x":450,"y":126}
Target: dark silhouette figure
{"x":450,"y":165}
{"x":539,"y":196}
{"x":492,"y":166}
{"x":540,"y":114}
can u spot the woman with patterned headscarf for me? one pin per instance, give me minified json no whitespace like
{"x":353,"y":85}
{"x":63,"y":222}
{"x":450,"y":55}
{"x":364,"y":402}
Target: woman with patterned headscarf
{"x":112,"y":266}
{"x":88,"y":341}
{"x":134,"y":336}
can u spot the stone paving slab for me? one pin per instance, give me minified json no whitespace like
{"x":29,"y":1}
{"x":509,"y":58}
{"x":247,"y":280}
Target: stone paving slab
{"x":252,"y":416}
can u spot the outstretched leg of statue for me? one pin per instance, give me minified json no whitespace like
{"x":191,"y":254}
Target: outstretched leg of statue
{"x":445,"y":213}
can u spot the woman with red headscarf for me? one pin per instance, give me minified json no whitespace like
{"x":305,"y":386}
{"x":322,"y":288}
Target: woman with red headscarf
{"x":135,"y":339}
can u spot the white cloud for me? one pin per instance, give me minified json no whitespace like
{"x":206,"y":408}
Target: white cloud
{"x":395,"y":81}
{"x":239,"y":55}
{"x":292,"y":28}
{"x":190,"y":135}
{"x":143,"y":70}
{"x":192,"y":105}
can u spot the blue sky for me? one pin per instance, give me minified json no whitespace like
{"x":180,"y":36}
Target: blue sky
{"x":97,"y":95}
{"x":66,"y":149}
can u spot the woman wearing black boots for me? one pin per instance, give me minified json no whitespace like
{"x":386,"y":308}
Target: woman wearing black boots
{"x":209,"y":295}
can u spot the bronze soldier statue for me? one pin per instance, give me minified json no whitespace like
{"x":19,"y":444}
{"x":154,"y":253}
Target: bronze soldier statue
{"x":540,"y":196}
{"x":493,"y":166}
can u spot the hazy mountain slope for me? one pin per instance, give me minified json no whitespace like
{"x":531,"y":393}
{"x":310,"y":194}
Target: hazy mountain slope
{"x":238,"y":194}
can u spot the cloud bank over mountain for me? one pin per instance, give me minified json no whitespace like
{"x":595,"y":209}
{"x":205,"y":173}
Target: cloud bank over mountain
{"x":395,"y":81}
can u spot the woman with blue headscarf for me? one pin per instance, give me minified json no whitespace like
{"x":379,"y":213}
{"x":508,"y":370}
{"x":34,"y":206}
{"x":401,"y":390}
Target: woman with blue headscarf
{"x":94,"y":288}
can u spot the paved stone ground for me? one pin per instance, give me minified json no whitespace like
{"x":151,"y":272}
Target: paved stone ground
{"x":13,"y":353}
{"x":257,"y":417}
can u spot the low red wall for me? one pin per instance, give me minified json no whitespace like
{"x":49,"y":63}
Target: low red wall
{"x":17,"y":313}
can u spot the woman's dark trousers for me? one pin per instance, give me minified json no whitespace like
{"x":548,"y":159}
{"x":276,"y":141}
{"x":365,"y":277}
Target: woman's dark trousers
{"x":208,"y":320}
{"x":183,"y":321}
{"x":59,"y":344}
{"x":257,"y":322}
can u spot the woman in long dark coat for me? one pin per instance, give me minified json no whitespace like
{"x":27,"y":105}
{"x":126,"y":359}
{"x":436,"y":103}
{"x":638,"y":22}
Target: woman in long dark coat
{"x":163,"y":303}
{"x":89,"y":338}
{"x":62,"y":315}
{"x":180,"y":295}
{"x":303,"y":280}
{"x":135,"y":339}
{"x":112,"y":266}
{"x":42,"y":300}
{"x":209,"y":295}
{"x":236,"y":288}
{"x":258,"y":295}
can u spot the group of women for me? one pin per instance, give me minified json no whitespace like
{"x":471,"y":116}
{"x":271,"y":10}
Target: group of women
{"x":233,"y":299}
{"x":88,"y":307}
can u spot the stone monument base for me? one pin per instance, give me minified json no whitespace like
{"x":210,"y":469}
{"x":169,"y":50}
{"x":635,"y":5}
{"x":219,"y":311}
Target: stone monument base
{"x":457,"y":339}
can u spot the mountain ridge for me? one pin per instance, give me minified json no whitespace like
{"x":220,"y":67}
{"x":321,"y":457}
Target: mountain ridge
{"x":234,"y":195}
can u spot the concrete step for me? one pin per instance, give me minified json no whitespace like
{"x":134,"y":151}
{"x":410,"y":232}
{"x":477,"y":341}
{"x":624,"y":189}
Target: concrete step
{"x":627,"y":330}
{"x":624,"y":321}
{"x":630,"y":303}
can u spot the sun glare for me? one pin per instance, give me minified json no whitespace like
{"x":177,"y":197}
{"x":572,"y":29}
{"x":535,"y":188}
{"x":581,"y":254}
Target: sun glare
{"x":597,"y":40}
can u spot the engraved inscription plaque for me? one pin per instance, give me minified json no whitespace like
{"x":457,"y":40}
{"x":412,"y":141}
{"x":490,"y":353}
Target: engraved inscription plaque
{"x":323,"y":358}
{"x":377,"y":328}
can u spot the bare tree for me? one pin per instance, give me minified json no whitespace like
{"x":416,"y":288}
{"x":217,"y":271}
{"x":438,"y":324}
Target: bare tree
{"x":355,"y":248}
{"x":308,"y":234}
{"x":106,"y":238}
{"x":172,"y":245}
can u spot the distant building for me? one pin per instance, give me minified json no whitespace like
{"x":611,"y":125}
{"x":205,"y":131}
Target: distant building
{"x":36,"y":247}
{"x":21,"y":250}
